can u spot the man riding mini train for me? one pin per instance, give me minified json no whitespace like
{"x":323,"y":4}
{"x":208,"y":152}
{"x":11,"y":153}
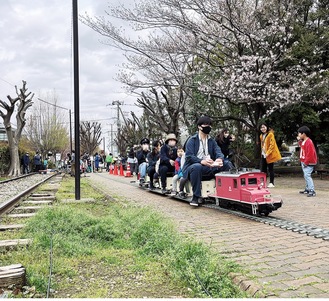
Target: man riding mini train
{"x":203,"y":159}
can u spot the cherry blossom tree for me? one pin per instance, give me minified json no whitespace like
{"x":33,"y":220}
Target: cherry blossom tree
{"x":243,"y":59}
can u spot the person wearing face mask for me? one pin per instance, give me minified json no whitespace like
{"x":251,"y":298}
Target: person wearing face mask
{"x":224,"y":140}
{"x":152,"y":158}
{"x":142,"y":159}
{"x":168,"y":155}
{"x":203,"y":158}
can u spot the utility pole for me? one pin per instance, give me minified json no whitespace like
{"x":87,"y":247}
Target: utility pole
{"x":118,"y":104}
{"x":112,"y":138}
{"x":76,"y":97}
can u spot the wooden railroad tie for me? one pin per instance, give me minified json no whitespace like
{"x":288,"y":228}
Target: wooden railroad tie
{"x":14,"y":274}
{"x":13,"y":243}
{"x":11,"y":227}
{"x":42,"y":198}
{"x":27,"y":209}
{"x":38,"y":202}
{"x":21,"y":215}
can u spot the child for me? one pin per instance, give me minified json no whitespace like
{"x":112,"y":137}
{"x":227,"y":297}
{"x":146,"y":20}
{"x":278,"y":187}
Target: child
{"x":308,"y":159}
{"x":45,"y":164}
{"x":178,"y":170}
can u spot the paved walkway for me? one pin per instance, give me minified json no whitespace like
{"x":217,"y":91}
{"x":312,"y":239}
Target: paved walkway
{"x":280,"y":263}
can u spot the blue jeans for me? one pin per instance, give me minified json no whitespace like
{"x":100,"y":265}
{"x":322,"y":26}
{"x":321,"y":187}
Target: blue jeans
{"x":307,"y":170}
{"x":142,"y":169}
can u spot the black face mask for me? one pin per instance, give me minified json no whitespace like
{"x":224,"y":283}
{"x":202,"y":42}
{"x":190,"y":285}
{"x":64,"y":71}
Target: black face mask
{"x":206,"y":129}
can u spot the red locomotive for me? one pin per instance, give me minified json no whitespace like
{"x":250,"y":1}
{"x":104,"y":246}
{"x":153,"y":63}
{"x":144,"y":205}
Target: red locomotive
{"x":245,"y":191}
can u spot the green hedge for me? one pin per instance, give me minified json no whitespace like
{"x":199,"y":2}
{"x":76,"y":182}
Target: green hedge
{"x":4,"y":158}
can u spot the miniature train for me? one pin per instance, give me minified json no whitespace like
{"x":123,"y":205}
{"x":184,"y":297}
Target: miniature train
{"x":237,"y":190}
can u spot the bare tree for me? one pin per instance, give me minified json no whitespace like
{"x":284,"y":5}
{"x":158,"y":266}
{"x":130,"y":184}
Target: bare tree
{"x":23,"y":102}
{"x":154,"y":73}
{"x":90,"y":136}
{"x":134,"y":130}
{"x":47,"y":127}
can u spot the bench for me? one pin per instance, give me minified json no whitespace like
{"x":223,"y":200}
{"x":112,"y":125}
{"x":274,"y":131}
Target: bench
{"x":322,"y":171}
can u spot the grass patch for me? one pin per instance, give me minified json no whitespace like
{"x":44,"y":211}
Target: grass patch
{"x":118,"y":250}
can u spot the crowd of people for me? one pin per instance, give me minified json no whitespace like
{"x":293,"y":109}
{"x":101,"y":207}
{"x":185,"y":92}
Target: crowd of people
{"x":202,"y":157}
{"x":37,"y":163}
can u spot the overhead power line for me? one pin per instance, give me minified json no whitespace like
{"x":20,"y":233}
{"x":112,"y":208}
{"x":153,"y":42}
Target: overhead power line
{"x":49,"y":103}
{"x":7,"y":82}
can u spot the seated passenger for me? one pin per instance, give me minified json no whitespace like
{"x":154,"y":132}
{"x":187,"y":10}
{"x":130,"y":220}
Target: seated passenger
{"x":203,"y":158}
{"x":168,"y":155}
{"x":178,"y":170}
{"x":152,"y":159}
{"x":142,"y":159}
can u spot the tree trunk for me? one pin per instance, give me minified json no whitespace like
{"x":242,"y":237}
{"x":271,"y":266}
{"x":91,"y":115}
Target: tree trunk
{"x":15,"y":166}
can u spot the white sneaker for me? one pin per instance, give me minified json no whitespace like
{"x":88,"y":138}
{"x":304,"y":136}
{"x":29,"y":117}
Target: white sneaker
{"x":270,"y":185}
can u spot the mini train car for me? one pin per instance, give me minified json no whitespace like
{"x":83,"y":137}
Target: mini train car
{"x":245,"y":191}
{"x":236,"y":190}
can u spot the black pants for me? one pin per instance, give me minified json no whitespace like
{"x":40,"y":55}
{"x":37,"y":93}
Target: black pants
{"x":151,"y":172}
{"x":163,"y":170}
{"x":270,"y":166}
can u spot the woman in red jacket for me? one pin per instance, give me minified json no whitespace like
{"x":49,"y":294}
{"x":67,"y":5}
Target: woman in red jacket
{"x":308,"y":159}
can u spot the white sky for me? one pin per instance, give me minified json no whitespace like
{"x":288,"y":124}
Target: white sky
{"x":36,"y":46}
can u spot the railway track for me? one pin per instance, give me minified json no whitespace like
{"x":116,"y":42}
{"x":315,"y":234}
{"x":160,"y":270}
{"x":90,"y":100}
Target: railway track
{"x":293,"y":226}
{"x":12,"y":190}
{"x":18,"y":203}
{"x":289,"y":225}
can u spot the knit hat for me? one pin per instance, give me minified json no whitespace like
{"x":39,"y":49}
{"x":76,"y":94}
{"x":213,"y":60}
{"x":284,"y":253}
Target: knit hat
{"x":204,"y":120}
{"x":170,"y":137}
